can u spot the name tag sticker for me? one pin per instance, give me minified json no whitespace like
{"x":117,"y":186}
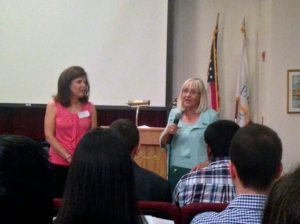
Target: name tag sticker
{"x":83,"y":114}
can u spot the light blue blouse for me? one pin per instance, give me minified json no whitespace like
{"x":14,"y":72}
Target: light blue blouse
{"x":188,"y":147}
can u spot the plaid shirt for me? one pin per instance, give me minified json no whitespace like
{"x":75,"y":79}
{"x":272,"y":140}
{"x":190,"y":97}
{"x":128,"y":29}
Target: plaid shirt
{"x":244,"y":209}
{"x":210,"y":184}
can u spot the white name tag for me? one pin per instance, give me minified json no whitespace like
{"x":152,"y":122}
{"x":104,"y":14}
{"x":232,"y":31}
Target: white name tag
{"x":83,"y":114}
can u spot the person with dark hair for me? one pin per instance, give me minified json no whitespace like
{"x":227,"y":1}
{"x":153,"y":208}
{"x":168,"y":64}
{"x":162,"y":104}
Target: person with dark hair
{"x":149,"y":186}
{"x":25,"y":181}
{"x":255,"y":153}
{"x":283,"y":204}
{"x":68,"y":117}
{"x":100,"y":184}
{"x":183,"y":136}
{"x":212,"y":183}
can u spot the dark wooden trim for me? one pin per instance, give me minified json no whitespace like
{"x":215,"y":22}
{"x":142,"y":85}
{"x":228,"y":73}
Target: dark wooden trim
{"x":170,"y":53}
{"x":29,"y":120}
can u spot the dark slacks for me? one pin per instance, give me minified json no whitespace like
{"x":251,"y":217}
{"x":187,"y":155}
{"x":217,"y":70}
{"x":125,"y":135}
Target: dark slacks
{"x":59,"y":176}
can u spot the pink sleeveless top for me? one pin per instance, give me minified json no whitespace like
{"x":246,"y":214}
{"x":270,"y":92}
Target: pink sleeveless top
{"x":69,"y":129}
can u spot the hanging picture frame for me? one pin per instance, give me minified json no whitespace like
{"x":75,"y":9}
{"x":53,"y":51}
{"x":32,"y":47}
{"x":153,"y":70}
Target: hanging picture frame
{"x":293,"y":98}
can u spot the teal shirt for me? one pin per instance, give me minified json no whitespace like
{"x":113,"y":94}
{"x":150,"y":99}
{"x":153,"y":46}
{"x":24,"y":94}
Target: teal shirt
{"x":188,"y":147}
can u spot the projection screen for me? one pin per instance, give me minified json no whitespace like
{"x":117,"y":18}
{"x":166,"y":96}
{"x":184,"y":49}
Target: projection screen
{"x":122,"y":45}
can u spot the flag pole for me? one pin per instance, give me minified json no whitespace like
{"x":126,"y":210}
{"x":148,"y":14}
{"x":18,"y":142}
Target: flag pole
{"x":212,"y":73}
{"x":243,"y":30}
{"x":216,"y":63}
{"x":237,"y":102}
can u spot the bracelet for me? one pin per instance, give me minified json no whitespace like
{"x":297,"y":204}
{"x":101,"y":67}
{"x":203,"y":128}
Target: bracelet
{"x":68,"y":157}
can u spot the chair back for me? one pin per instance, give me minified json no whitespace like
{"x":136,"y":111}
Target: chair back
{"x":166,"y":210}
{"x":188,"y":212}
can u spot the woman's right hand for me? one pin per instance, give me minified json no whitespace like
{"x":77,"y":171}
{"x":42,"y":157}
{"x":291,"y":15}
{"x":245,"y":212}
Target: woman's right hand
{"x":172,"y":129}
{"x":166,"y":135}
{"x":69,"y":159}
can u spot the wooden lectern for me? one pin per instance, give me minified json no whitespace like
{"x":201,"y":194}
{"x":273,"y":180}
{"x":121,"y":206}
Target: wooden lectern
{"x":151,"y":156}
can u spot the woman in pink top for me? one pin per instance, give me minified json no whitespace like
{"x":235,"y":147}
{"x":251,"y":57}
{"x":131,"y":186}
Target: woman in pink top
{"x":68,"y":117}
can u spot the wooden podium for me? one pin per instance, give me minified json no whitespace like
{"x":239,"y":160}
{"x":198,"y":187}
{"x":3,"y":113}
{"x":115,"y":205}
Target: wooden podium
{"x":151,"y":156}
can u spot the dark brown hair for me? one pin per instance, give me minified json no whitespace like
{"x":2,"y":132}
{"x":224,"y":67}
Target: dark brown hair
{"x":128,"y":131}
{"x":256,"y":152}
{"x":100,"y":185}
{"x":283,"y":205}
{"x":64,"y":82}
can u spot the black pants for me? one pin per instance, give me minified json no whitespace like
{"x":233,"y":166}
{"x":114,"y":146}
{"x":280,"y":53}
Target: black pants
{"x":175,"y":173}
{"x":59,"y":176}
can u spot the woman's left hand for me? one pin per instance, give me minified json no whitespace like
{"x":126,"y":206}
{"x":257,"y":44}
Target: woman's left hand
{"x":200,"y":166}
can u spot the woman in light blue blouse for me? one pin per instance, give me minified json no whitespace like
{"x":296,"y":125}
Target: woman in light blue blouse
{"x":185,"y":140}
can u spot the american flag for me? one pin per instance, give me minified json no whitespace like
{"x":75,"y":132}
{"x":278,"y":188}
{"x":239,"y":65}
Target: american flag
{"x":212,"y":74}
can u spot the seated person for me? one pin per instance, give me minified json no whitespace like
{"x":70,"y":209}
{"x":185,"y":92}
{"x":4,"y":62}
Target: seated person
{"x":100,"y":184}
{"x":25,"y":181}
{"x":255,"y":153}
{"x":283,"y":204}
{"x":149,"y":186}
{"x":212,"y":183}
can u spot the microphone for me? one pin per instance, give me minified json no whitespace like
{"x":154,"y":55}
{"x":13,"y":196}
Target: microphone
{"x":176,"y":121}
{"x":177,"y":118}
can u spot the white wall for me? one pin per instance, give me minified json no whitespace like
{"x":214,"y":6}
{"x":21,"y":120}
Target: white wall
{"x":272,"y":26}
{"x":284,"y":54}
{"x":194,"y":24}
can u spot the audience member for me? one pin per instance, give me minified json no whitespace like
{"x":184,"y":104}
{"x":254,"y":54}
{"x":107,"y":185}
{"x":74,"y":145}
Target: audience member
{"x":183,"y":135}
{"x":283,"y":204}
{"x":255,"y":154}
{"x":212,"y":183}
{"x":149,"y":186}
{"x":100,"y":183}
{"x":25,"y":182}
{"x":68,"y":117}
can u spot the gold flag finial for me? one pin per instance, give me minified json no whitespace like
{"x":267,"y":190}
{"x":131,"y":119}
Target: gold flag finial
{"x":217,"y":24}
{"x":243,"y":29}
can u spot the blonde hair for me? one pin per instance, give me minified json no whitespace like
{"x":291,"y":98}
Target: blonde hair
{"x":199,"y":85}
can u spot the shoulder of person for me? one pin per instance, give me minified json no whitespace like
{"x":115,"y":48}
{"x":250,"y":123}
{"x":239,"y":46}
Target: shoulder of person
{"x":174,"y":111}
{"x":153,"y":177}
{"x":51,"y":104}
{"x":172,"y":114}
{"x":159,"y":179}
{"x":88,"y":104}
{"x":210,"y":114}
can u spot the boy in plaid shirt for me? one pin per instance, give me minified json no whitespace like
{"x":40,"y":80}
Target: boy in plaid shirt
{"x":212,"y":183}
